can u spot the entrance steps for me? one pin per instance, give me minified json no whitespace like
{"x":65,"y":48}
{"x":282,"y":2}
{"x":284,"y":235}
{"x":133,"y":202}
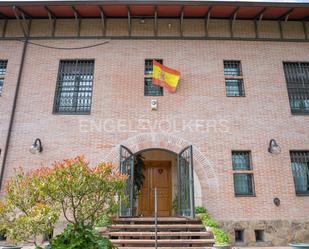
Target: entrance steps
{"x":173,"y":232}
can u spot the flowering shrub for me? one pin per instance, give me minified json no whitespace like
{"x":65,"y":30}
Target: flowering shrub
{"x":34,"y":201}
{"x":23,"y":212}
{"x":83,"y":193}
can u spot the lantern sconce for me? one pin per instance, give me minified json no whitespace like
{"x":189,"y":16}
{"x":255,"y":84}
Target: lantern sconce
{"x":276,"y":201}
{"x":274,"y":147}
{"x":36,"y":147}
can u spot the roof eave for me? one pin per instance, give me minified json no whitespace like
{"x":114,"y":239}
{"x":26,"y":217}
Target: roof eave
{"x":287,"y":3}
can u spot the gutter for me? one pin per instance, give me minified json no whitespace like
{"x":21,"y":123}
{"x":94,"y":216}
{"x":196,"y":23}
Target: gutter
{"x":8,"y":138}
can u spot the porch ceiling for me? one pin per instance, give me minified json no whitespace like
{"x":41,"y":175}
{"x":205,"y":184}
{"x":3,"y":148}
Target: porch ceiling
{"x":292,"y":10}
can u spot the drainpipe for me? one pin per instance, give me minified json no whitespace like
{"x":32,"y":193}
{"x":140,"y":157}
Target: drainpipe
{"x":8,"y":138}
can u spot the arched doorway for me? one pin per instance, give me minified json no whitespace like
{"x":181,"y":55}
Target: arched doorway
{"x":167,"y":172}
{"x":206,"y":184}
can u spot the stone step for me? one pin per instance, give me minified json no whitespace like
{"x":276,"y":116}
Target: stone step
{"x":173,"y":247}
{"x":162,"y":241}
{"x":160,"y":234}
{"x":160,"y":219}
{"x":160,"y":226}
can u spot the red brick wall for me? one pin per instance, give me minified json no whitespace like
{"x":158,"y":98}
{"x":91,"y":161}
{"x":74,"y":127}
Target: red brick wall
{"x":118,"y":94}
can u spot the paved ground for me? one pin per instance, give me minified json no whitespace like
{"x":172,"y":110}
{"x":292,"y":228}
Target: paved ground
{"x":274,"y":247}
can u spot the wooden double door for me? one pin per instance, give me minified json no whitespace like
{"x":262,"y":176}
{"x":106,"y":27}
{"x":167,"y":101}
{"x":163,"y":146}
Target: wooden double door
{"x":157,"y":175}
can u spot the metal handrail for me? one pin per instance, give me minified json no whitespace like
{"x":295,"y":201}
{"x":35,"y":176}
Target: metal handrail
{"x":156,"y":217}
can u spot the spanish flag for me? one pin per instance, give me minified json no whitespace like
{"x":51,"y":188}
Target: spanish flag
{"x":165,"y":76}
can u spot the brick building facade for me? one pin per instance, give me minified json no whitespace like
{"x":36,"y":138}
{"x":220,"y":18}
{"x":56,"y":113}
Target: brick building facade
{"x":199,"y":114}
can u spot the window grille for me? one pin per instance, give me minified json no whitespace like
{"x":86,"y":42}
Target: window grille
{"x":152,"y":90}
{"x":241,"y":160}
{"x":234,"y":87}
{"x":243,"y":175}
{"x":233,"y":79}
{"x":232,"y":68}
{"x":74,"y":87}
{"x":3,"y":64}
{"x":300,"y":169}
{"x":297,"y":79}
{"x":149,"y":88}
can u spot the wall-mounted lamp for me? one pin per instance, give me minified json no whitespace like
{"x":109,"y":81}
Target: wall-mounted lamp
{"x":277,"y":201}
{"x":169,"y":25}
{"x":273,"y":147}
{"x":36,"y":147}
{"x":142,"y":21}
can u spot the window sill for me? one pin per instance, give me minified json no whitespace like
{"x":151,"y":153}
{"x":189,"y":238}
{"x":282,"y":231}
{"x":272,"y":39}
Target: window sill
{"x":302,"y":194}
{"x":153,"y":95}
{"x":296,"y":113}
{"x":300,"y":114}
{"x":71,"y":113}
{"x":252,"y":195}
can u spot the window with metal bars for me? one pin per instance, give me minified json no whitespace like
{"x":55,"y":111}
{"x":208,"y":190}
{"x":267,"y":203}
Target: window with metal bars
{"x":233,"y":79}
{"x":300,"y":169}
{"x":3,"y":64}
{"x":297,"y":79}
{"x":149,"y":88}
{"x":74,"y":87}
{"x":243,"y":175}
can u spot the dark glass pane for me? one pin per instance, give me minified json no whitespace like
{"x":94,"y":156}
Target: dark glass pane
{"x":152,"y":90}
{"x":1,"y":86}
{"x":234,"y":87}
{"x":241,"y":160}
{"x":148,"y":65}
{"x":232,"y":68}
{"x":185,"y":183}
{"x":3,"y":65}
{"x":300,"y":169}
{"x":297,"y":78}
{"x":299,"y":100}
{"x":127,"y":168}
{"x":239,"y":235}
{"x":74,"y":89}
{"x":243,"y":184}
{"x":2,"y":74}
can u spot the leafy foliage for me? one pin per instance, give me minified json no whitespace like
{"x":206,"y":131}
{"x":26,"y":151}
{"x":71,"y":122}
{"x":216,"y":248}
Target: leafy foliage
{"x":139,"y":177}
{"x":209,"y":222}
{"x":200,"y":210}
{"x":80,"y":237}
{"x":85,"y":194}
{"x":2,"y":235}
{"x":34,"y":201}
{"x":24,"y":214}
{"x":220,"y":236}
{"x":104,"y":221}
{"x":175,"y":204}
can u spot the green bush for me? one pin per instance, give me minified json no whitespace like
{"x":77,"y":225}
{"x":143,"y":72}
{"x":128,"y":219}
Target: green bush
{"x":80,"y":237}
{"x":208,"y":222}
{"x":104,"y":221}
{"x":175,"y":204}
{"x":200,"y":210}
{"x":2,"y":235}
{"x":221,"y":237}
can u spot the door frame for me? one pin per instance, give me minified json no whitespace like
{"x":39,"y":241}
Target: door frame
{"x":169,"y":166}
{"x":179,"y":155}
